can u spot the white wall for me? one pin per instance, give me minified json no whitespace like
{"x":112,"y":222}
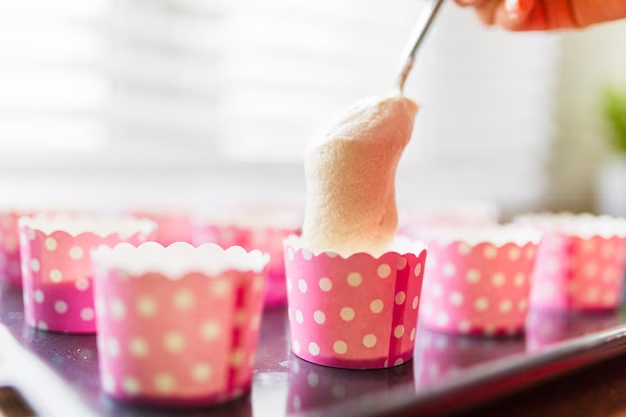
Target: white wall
{"x":590,"y":61}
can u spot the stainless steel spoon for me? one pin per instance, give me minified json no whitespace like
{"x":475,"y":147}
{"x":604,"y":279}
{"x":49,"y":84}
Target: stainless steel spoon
{"x":424,"y":22}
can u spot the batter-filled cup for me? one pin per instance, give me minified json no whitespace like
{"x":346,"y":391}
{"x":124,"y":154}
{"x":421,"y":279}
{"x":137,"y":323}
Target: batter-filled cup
{"x":56,"y":268}
{"x":356,"y":312}
{"x":258,"y":227}
{"x":580,"y":262}
{"x":178,"y":326}
{"x":478,"y":280}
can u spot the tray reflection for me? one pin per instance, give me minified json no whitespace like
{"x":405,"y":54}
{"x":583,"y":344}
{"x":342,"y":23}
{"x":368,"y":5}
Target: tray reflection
{"x":286,"y":385}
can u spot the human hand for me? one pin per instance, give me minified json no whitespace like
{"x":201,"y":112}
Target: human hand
{"x":528,"y":15}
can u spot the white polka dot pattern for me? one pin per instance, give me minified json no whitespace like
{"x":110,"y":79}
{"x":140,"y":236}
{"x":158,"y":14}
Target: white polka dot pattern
{"x":581,"y":274}
{"x":10,"y":270}
{"x":355,"y":310}
{"x":194,"y":351}
{"x":319,"y":317}
{"x":59,"y":274}
{"x":268,"y":240}
{"x":476,"y":288}
{"x":354,"y":279}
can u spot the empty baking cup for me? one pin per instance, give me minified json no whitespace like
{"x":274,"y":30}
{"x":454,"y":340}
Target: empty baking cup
{"x":56,"y":267}
{"x":580,"y":262}
{"x":172,"y":226}
{"x":477,"y":281}
{"x":10,"y":269}
{"x":178,"y":326}
{"x":357,"y":312}
{"x":263,"y":230}
{"x":415,"y":221}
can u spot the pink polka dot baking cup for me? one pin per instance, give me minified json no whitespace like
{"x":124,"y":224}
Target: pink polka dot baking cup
{"x":171,"y":226}
{"x":359,"y":312}
{"x":477,"y":281}
{"x":57,"y":270}
{"x":414,"y":222}
{"x":263,"y":231}
{"x":178,"y":326}
{"x":580,"y":262}
{"x":10,"y":269}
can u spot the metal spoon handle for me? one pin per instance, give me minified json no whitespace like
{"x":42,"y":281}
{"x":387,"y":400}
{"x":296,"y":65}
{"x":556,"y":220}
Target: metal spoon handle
{"x":424,"y":22}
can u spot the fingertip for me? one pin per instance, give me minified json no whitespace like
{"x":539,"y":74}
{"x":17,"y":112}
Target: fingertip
{"x":487,"y":11}
{"x":470,"y":3}
{"x":513,"y":14}
{"x":463,"y":3}
{"x":508,"y":21}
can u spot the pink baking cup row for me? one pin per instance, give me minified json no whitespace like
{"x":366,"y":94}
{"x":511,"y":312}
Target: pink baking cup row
{"x":254,"y":227}
{"x":10,"y":260}
{"x":172,"y":226}
{"x":478,"y":281}
{"x":178,"y":326}
{"x":580,"y":263}
{"x":57,"y":269}
{"x":483,"y":281}
{"x":357,"y":312}
{"x":267,"y":239}
{"x":10,"y":269}
{"x":260,"y":227}
{"x":417,"y":221}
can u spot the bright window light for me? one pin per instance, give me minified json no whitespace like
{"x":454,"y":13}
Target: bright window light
{"x":67,"y":136}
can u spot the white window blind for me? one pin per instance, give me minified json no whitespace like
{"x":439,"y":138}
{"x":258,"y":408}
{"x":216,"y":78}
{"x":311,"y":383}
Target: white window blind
{"x":212,"y":84}
{"x":52,"y":90}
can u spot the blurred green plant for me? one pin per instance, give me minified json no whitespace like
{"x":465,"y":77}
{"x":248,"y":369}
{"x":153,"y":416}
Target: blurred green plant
{"x":614,"y":112}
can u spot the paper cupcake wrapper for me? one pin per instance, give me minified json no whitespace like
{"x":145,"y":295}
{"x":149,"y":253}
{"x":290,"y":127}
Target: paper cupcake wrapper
{"x":10,"y":260}
{"x":171,"y":227}
{"x":548,"y":328}
{"x":415,"y":221}
{"x":313,"y":388}
{"x":578,"y":274}
{"x":479,"y":289}
{"x":182,"y":342}
{"x":360,"y":312}
{"x":10,"y":269}
{"x":58,"y":277}
{"x":268,"y":240}
{"x":440,"y":355}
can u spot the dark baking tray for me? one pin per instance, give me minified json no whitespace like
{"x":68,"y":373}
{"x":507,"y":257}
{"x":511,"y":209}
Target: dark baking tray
{"x":448,"y":373}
